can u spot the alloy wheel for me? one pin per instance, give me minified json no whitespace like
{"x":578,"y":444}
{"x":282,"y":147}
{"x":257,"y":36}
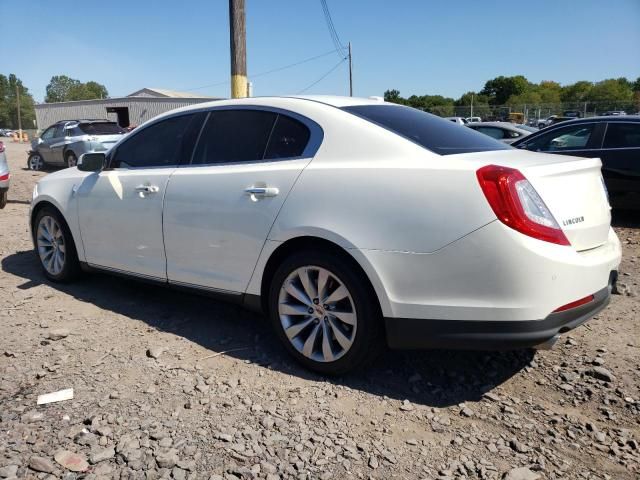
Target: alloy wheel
{"x":72,"y":160}
{"x":51,"y":245}
{"x":36,"y":162}
{"x":317,"y":314}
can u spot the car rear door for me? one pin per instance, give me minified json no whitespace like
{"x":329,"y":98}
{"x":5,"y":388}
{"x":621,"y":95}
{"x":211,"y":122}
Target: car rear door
{"x":120,"y":208}
{"x":620,"y":156}
{"x":57,"y":144}
{"x":220,"y":207}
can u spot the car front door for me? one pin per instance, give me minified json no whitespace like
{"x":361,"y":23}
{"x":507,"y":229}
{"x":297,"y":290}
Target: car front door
{"x":580,"y":140}
{"x":120,"y":208}
{"x":57,"y":144}
{"x":620,"y":156}
{"x":44,"y":143}
{"x":219,"y":208}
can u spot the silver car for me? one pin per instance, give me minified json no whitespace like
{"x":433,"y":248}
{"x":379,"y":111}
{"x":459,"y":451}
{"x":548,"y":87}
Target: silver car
{"x":62,"y":143}
{"x":4,"y":177}
{"x":504,"y":131}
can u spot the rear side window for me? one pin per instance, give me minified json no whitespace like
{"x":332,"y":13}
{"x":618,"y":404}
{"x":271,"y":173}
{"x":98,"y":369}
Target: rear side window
{"x":493,"y":132}
{"x":158,"y":145}
{"x":622,"y":135}
{"x":433,"y":133}
{"x":231,"y":136}
{"x":104,"y":128}
{"x":288,"y":139}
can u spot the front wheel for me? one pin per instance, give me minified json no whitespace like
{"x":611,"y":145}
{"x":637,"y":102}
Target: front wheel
{"x":55,"y":247}
{"x":35,"y":162}
{"x":325,"y":313}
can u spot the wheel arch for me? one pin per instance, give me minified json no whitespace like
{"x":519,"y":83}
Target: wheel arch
{"x":363,"y":268}
{"x":51,"y":203}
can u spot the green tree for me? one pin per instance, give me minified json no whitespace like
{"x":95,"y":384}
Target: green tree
{"x":576,"y":92}
{"x":393,"y":96}
{"x":610,"y":94}
{"x":481,"y":106}
{"x":636,"y":85}
{"x":501,"y":88}
{"x":62,"y":88}
{"x":9,"y":104}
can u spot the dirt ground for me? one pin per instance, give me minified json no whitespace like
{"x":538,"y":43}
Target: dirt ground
{"x":171,"y":385}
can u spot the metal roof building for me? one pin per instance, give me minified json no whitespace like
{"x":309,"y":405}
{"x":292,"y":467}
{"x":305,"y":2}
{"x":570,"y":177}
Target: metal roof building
{"x":133,"y":109}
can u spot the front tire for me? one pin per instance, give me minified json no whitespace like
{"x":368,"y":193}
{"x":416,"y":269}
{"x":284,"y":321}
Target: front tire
{"x":35,"y":162}
{"x":55,"y":247}
{"x":325,"y":313}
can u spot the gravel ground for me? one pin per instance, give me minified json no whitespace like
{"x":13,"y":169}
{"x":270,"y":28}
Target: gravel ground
{"x":170,"y":385}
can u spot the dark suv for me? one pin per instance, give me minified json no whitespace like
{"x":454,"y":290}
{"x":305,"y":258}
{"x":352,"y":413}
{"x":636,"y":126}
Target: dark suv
{"x":62,"y":143}
{"x":613,"y":139}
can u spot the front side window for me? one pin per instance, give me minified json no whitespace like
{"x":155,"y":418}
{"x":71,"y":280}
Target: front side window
{"x":574,"y":137}
{"x":48,"y":133}
{"x":158,"y":145}
{"x":622,"y":135}
{"x":232,"y":136}
{"x":493,"y":132}
{"x":59,"y":131}
{"x":431,"y":132}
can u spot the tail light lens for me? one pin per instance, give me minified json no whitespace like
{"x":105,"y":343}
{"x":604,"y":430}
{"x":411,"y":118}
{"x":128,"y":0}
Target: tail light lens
{"x":517,"y":204}
{"x":4,"y":177}
{"x":1,"y":147}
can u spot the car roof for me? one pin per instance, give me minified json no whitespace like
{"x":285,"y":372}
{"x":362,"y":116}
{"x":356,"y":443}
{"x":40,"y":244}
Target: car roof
{"x":601,"y":118}
{"x":508,"y":125}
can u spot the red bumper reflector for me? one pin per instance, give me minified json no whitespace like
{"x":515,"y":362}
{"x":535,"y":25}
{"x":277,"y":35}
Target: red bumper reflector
{"x":575,"y":304}
{"x":4,"y":177}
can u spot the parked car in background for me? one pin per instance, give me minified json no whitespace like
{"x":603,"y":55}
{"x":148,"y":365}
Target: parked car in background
{"x":62,"y":143}
{"x":279,"y":204}
{"x":5,"y":132}
{"x":504,"y":131}
{"x":613,"y":139}
{"x":473,"y":119}
{"x":614,"y":113}
{"x":4,"y":177}
{"x":458,"y":120}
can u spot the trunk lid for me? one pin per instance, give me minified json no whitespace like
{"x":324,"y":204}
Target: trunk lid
{"x":574,"y":192}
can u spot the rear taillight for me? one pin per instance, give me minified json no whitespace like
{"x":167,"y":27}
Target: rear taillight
{"x":577,"y":303}
{"x":1,"y":147}
{"x":517,"y":204}
{"x":4,"y":177}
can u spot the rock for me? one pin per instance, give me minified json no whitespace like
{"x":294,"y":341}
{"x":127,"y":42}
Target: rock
{"x":466,"y":412}
{"x":75,"y":462}
{"x":155,"y":352}
{"x":267,"y":467}
{"x":406,"y":406}
{"x":518,"y":446}
{"x":178,"y":473}
{"x":86,"y":438}
{"x":373,"y":462}
{"x":102,"y":455}
{"x":621,"y":288}
{"x":522,"y":473}
{"x":167,"y":458}
{"x":9,"y":471}
{"x":41,"y":464}
{"x":601,"y":373}
{"x":58,"y":334}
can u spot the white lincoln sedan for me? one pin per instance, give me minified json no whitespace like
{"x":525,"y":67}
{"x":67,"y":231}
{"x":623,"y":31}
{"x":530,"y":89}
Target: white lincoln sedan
{"x":347,"y":221}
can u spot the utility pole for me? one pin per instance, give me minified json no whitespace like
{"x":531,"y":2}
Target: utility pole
{"x":238,"y":37}
{"x":471,"y":106}
{"x":350,"y":73}
{"x":19,"y":117}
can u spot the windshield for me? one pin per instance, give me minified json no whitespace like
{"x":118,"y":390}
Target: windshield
{"x":101,"y":128}
{"x":433,"y":133}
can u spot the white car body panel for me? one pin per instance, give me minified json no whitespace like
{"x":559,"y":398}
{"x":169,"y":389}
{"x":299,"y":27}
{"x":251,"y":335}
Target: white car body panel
{"x":416,"y":222}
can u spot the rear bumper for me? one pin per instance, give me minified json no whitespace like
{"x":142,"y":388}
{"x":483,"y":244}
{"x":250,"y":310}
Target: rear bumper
{"x":412,"y":333}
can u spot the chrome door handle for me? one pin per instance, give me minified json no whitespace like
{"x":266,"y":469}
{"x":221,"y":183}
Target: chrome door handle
{"x":262,"y":191}
{"x":147,"y":189}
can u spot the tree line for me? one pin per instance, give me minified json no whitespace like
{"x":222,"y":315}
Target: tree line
{"x":518,"y":93}
{"x":61,"y":88}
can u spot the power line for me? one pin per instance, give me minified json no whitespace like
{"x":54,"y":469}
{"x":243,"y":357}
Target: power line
{"x":267,"y":72}
{"x":323,"y":76}
{"x":335,"y":38}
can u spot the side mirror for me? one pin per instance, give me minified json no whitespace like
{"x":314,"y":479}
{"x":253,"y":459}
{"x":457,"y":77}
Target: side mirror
{"x":92,"y":162}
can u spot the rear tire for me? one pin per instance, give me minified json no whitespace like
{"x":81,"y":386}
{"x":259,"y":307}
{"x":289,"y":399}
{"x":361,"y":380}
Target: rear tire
{"x":55,"y":248}
{"x":3,"y":199}
{"x":70,"y":159}
{"x":338,"y":330}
